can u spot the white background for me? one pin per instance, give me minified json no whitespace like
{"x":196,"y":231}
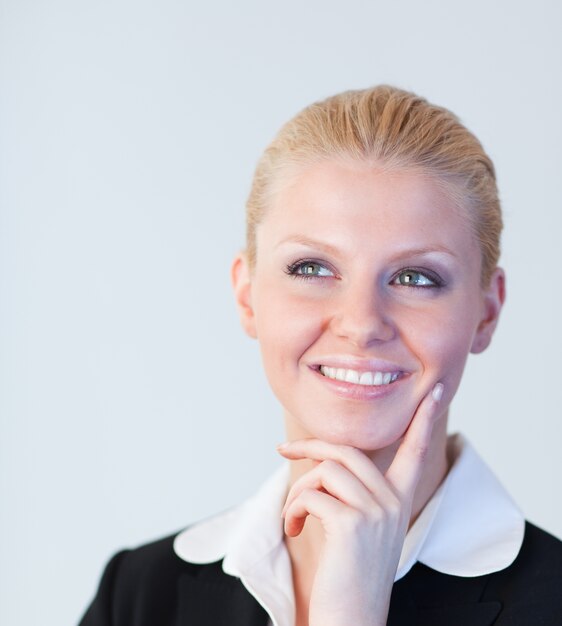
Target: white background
{"x":131,"y":404}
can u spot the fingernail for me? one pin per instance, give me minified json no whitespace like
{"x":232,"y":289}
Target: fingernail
{"x":283,"y":446}
{"x":437,"y":392}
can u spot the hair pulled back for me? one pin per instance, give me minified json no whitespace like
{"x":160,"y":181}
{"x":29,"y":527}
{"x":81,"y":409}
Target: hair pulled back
{"x":391,"y":128}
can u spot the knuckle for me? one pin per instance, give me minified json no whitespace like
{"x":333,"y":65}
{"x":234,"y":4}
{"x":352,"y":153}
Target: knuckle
{"x":351,"y":520}
{"x":328,"y":466}
{"x":394,"y":508}
{"x":354,"y":453}
{"x":307,"y":493}
{"x":389,"y":513}
{"x":377,"y":515}
{"x":348,"y":453}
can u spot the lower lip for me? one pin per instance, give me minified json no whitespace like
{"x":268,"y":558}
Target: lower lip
{"x":353,"y":391}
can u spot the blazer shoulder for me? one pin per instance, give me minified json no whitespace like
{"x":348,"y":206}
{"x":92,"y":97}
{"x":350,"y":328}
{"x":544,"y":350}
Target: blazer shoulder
{"x":540,"y":554}
{"x":530,"y":587}
{"x":138,"y":586}
{"x":152,"y":585}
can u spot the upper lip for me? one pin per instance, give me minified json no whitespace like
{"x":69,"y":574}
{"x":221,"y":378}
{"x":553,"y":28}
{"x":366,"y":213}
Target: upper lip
{"x":358,"y":364}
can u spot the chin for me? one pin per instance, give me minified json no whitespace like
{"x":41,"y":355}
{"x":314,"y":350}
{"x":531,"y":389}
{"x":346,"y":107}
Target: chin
{"x":367,"y":443}
{"x":367,"y":437}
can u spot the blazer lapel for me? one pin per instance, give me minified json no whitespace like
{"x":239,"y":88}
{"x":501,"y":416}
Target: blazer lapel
{"x":426,"y":597}
{"x":209,"y":597}
{"x":481,"y":614}
{"x":213,"y":598}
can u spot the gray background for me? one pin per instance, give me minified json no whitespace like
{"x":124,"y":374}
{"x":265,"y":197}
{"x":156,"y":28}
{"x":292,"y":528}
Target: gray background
{"x":131,"y":403}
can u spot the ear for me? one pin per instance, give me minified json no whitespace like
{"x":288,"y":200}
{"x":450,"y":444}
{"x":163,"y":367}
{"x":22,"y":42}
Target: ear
{"x":492,"y":303}
{"x":240,"y":276}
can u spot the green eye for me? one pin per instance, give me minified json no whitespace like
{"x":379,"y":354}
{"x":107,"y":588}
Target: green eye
{"x":308,"y":269}
{"x":413,"y":278}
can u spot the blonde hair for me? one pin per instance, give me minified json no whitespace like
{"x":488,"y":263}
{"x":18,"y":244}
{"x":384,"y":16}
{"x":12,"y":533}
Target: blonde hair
{"x":393,"y":128}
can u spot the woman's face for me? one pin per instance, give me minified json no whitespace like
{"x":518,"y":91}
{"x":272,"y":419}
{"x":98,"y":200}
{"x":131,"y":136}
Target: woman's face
{"x":368,"y":275}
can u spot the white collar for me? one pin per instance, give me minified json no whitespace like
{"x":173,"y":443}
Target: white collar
{"x":470,"y":527}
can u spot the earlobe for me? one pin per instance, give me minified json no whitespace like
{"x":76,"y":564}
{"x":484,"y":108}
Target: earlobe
{"x":493,"y":300}
{"x":240,"y":276}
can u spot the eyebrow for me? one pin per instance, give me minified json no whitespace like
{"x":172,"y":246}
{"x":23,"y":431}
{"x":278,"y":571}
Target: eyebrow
{"x":311,"y":243}
{"x":326,"y":247}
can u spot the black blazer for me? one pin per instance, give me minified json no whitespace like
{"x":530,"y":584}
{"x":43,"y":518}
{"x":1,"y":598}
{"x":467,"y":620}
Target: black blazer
{"x":151,"y":586}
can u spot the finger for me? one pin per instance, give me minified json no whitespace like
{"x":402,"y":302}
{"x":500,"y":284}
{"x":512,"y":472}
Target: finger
{"x":406,"y":468}
{"x":311,"y":502}
{"x":354,"y":460}
{"x":340,"y":483}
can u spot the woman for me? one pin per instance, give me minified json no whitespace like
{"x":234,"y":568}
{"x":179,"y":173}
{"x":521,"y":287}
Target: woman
{"x":370,"y":274}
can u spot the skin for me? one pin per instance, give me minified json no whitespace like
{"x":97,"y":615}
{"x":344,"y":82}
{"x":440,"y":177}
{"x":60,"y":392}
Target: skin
{"x":387,"y":268}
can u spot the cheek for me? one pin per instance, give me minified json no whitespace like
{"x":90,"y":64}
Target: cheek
{"x":442,"y":345}
{"x":286,"y":326}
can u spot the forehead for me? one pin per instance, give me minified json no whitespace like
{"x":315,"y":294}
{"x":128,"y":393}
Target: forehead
{"x":355,"y":204}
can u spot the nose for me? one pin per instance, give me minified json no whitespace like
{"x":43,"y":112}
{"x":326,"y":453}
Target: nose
{"x":362,"y":317}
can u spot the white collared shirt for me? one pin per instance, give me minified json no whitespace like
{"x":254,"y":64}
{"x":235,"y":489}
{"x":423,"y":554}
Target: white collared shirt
{"x":469,"y":527}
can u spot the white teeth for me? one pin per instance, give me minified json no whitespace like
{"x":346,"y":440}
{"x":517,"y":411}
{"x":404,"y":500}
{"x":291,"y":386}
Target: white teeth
{"x":340,"y":374}
{"x":366,"y":378}
{"x":359,"y":378}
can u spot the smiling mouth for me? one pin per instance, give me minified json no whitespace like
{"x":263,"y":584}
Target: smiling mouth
{"x":370,"y":379}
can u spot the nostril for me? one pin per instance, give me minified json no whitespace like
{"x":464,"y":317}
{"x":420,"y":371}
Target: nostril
{"x":364,"y":334}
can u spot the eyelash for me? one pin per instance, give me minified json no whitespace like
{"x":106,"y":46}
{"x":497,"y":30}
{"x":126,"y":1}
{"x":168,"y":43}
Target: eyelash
{"x":434,"y":278}
{"x":292,"y":270}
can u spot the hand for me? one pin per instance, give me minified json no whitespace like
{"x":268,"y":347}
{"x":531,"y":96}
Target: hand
{"x":365,"y":517}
